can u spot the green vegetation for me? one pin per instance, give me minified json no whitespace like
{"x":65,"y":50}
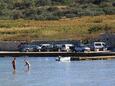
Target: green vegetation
{"x":78,"y":28}
{"x":54,"y":9}
{"x":55,"y":19}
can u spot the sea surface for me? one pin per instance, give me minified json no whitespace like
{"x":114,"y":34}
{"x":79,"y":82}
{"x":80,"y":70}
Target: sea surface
{"x":45,"y":71}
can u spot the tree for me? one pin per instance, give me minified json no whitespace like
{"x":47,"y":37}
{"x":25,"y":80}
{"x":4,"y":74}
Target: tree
{"x":17,"y":14}
{"x":43,"y":2}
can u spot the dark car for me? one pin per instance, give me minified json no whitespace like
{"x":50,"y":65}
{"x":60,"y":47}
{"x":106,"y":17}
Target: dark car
{"x":80,"y":48}
{"x":29,"y":48}
{"x":53,"y":48}
{"x":44,"y":48}
{"x":50,"y":48}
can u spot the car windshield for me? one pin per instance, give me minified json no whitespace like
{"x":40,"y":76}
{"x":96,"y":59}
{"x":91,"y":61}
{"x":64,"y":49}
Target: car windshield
{"x":98,"y":44}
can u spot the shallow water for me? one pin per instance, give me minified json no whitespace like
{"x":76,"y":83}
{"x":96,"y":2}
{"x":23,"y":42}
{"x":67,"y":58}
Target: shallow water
{"x":48,"y":72}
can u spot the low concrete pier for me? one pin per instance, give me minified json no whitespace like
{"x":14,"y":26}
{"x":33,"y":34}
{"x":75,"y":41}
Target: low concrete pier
{"x":92,"y":58}
{"x":74,"y":56}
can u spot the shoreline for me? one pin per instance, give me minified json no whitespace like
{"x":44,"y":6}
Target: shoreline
{"x":74,"y":56}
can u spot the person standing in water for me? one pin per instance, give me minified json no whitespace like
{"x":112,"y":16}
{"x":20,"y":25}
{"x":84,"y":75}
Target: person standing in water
{"x":14,"y":63}
{"x":27,"y":64}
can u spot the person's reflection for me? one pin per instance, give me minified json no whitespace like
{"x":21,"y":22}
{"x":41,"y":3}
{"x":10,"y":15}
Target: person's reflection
{"x":14,"y":72}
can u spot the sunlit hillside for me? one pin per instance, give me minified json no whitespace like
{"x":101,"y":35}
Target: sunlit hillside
{"x":76,"y":28}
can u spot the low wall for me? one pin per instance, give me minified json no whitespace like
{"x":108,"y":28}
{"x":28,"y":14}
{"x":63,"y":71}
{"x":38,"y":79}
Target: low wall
{"x":9,"y":45}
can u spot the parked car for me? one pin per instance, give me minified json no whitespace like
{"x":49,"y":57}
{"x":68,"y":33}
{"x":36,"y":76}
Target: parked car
{"x":30,"y":48}
{"x":67,"y":47}
{"x":38,"y":48}
{"x":50,"y":48}
{"x":44,"y":47}
{"x":58,"y":46}
{"x":101,"y":46}
{"x":80,"y":48}
{"x":54,"y":48}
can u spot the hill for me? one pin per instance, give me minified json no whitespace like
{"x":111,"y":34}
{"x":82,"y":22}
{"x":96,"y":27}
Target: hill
{"x":55,"y":19}
{"x":54,"y":9}
{"x":81,"y":28}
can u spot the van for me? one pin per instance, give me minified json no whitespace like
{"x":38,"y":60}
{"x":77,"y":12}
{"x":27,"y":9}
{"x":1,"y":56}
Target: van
{"x":101,"y":46}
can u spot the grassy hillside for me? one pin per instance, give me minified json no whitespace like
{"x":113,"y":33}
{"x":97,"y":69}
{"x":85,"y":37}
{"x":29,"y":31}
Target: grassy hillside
{"x":76,"y":28}
{"x":55,"y":19}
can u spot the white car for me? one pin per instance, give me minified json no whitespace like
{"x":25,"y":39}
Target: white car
{"x":100,"y":46}
{"x":66,"y":47}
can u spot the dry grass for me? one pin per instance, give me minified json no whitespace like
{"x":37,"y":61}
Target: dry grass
{"x":76,"y":28}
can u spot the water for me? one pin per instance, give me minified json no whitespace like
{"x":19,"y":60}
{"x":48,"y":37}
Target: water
{"x":48,"y":72}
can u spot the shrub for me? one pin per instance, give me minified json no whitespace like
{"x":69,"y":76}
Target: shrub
{"x":47,"y":16}
{"x":52,"y":9}
{"x":97,"y":20}
{"x":99,"y":27}
{"x":109,"y":10}
{"x":94,"y":28}
{"x":113,"y":4}
{"x":97,"y":1}
{"x":17,"y":14}
{"x":107,"y":28}
{"x":70,"y":15}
